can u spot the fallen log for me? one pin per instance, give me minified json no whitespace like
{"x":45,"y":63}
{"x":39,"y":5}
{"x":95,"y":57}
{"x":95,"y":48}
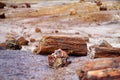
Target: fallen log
{"x":104,"y":49}
{"x":71,"y":45}
{"x":104,"y":74}
{"x":101,"y":52}
{"x":100,"y":69}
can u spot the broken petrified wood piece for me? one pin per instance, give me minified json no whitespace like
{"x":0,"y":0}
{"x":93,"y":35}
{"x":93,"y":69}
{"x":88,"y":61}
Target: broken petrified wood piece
{"x":104,"y":74}
{"x":101,"y":52}
{"x":2,"y":16}
{"x":100,"y":69}
{"x":12,"y":44}
{"x":71,"y":45}
{"x":22,"y":41}
{"x":58,"y":59}
{"x":104,"y":49}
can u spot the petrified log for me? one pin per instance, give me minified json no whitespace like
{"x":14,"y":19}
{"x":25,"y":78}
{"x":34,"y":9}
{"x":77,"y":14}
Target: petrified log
{"x":13,"y":6}
{"x":104,"y":74}
{"x":104,"y":49}
{"x":101,"y":52}
{"x":100,"y":69}
{"x":103,"y":8}
{"x":102,"y":63}
{"x":72,"y":45}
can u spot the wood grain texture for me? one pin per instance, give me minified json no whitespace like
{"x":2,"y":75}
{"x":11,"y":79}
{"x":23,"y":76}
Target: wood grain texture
{"x":72,"y":45}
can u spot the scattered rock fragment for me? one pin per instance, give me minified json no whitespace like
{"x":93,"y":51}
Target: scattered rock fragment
{"x":58,"y":59}
{"x":2,"y":16}
{"x":73,"y":12}
{"x":32,"y":40}
{"x":56,"y":31}
{"x":37,"y":30}
{"x":72,"y":45}
{"x":21,"y":5}
{"x":101,"y":52}
{"x":2,"y":5}
{"x":98,"y":2}
{"x":103,"y":8}
{"x":77,"y":33}
{"x":14,"y":6}
{"x":22,"y":41}
{"x":2,"y":46}
{"x":12,"y":44}
{"x":28,"y":5}
{"x":89,"y":35}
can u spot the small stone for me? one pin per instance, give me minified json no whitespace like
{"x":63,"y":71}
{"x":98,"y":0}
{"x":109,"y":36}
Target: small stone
{"x":103,"y":8}
{"x":37,"y":30}
{"x":28,"y":35}
{"x":2,"y":16}
{"x":73,"y":12}
{"x":104,"y":50}
{"x":89,"y":35}
{"x":98,"y":2}
{"x":77,"y":33}
{"x":14,"y":6}
{"x":27,"y":5}
{"x":52,"y":31}
{"x":32,"y":40}
{"x":22,"y":41}
{"x":56,"y":31}
{"x":2,"y":46}
{"x":2,"y":5}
